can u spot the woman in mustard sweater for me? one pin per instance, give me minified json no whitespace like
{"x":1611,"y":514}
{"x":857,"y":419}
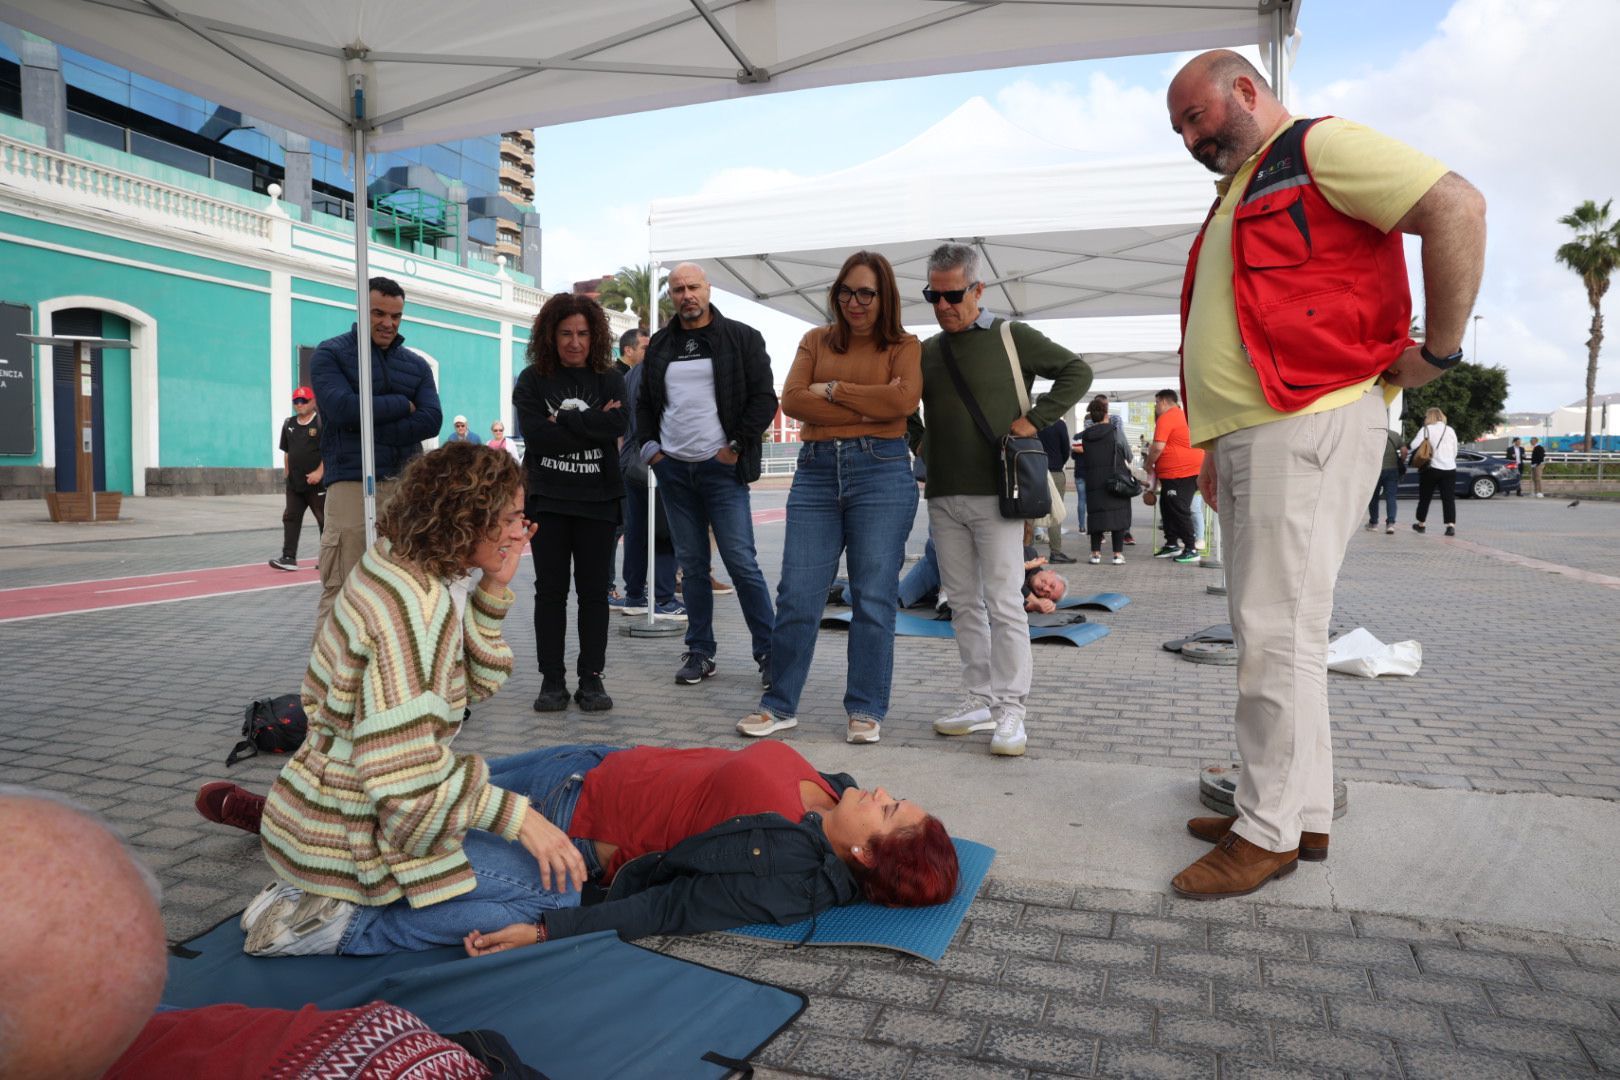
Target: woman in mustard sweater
{"x":375,"y":813}
{"x":852,"y":386}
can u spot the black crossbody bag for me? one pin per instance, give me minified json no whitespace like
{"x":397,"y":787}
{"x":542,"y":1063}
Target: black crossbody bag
{"x":1021,"y":463}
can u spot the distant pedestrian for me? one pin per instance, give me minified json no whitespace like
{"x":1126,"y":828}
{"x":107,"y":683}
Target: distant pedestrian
{"x":1518,"y":460}
{"x":462,"y":433}
{"x":1439,"y":471}
{"x":1104,"y":455}
{"x":1538,"y":461}
{"x":1389,"y":479}
{"x":301,"y":459}
{"x":1055,"y":437}
{"x":499,"y":441}
{"x":1172,"y":459}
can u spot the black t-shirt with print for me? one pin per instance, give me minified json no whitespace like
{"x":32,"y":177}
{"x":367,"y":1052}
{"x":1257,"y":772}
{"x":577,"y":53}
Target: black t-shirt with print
{"x":302,"y":445}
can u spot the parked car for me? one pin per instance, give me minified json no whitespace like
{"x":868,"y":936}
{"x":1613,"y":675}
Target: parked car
{"x":1479,"y":476}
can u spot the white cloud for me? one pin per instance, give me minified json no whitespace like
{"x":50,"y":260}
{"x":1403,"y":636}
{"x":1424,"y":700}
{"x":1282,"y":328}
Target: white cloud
{"x":617,"y":237}
{"x":1105,"y":119}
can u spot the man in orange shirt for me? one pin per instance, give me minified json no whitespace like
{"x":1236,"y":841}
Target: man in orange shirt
{"x":1173,"y":460}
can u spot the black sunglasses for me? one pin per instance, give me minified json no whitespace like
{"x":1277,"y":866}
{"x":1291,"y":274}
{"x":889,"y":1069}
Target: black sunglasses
{"x":951,"y":296}
{"x":302,"y":400}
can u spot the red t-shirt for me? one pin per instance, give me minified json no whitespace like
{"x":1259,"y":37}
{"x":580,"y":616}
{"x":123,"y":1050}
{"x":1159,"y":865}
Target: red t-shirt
{"x":1178,"y":459}
{"x":650,"y":798}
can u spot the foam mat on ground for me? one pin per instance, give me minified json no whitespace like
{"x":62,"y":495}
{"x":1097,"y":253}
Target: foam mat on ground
{"x":911,"y":624}
{"x":584,"y":1006}
{"x":923,"y":932}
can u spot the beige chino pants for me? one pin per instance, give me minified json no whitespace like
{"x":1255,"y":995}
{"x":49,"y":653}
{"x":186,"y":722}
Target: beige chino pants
{"x":343,"y":540}
{"x":1291,"y":494}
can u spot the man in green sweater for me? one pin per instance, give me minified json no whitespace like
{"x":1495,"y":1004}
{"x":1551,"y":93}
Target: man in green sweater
{"x":981,"y":553}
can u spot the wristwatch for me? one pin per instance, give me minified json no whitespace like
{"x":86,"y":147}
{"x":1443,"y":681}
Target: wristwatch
{"x":1442,"y":362}
{"x":735,"y":446}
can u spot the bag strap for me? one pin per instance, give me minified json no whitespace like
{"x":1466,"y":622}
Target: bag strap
{"x":966,"y":394}
{"x":1017,"y":367}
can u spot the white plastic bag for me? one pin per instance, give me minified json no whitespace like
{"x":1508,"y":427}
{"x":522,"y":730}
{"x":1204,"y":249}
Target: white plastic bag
{"x":1359,"y":653}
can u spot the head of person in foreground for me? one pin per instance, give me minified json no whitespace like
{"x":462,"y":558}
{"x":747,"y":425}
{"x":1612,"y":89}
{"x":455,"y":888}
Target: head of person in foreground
{"x":81,"y":942}
{"x":899,"y":853}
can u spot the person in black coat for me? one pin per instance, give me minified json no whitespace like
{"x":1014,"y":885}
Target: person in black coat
{"x":1102,"y":455}
{"x":570,"y":406}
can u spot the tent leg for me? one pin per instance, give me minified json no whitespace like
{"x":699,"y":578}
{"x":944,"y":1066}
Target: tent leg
{"x":362,"y":325}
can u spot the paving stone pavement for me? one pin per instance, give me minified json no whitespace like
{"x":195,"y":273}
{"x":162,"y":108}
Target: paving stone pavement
{"x":129,"y":710}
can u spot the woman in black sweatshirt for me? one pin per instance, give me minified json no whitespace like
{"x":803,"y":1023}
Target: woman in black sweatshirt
{"x":569,"y":404}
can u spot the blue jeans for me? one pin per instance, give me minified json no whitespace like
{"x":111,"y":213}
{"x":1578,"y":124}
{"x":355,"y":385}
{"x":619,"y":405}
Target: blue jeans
{"x":922,"y":579}
{"x":1388,"y":481}
{"x":635,"y":551}
{"x":508,"y":888}
{"x":704,"y":495}
{"x":1080,"y":496}
{"x":855,"y":498}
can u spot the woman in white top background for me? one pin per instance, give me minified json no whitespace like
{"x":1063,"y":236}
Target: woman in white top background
{"x":499,"y":441}
{"x":1439,"y":472}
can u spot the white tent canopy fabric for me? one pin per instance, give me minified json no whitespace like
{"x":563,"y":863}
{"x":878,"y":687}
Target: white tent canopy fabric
{"x":1060,"y":238}
{"x":435,"y":71}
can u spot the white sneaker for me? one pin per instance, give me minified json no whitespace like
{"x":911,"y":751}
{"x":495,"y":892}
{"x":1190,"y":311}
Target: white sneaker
{"x":1119,"y":559}
{"x":759,"y":724}
{"x":1095,"y":559}
{"x":286,"y":921}
{"x":1009,"y":738}
{"x":863,"y":729}
{"x":970,"y":715}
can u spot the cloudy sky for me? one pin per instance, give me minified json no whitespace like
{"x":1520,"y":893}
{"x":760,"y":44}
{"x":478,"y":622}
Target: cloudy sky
{"x":1510,"y":93}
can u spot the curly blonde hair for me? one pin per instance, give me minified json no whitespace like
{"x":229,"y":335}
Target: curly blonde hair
{"x":447,"y":501}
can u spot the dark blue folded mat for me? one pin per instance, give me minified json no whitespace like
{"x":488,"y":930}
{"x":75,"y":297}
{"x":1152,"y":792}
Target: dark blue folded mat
{"x":587,"y":1007}
{"x":917,"y":624}
{"x":924,"y":932}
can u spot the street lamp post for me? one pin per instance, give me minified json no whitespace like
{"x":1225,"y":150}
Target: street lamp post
{"x":1475,"y":350}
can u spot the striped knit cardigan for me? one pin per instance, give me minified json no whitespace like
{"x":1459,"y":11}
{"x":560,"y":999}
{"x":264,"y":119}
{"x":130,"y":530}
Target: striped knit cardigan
{"x":374,"y":805}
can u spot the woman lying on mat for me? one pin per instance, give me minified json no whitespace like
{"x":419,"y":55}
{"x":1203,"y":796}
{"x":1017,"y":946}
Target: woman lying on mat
{"x":677,"y":841}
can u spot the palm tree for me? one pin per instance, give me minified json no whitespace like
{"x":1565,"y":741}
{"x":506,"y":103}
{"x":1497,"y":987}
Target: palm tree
{"x":631,"y":283}
{"x":1593,"y":254}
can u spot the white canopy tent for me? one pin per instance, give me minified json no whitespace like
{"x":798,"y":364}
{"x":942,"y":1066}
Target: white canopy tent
{"x":1060,"y":236}
{"x":391,"y":73}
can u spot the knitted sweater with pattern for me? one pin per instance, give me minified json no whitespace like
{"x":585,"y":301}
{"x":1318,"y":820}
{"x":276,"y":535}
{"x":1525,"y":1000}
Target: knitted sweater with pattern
{"x":373,"y":807}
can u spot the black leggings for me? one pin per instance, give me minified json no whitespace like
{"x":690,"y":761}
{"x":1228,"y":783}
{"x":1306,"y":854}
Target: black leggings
{"x":1118,"y":540}
{"x":1444,"y":481}
{"x":587,"y":544}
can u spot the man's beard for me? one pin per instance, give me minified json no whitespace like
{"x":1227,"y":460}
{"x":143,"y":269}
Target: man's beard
{"x":1225,"y":152}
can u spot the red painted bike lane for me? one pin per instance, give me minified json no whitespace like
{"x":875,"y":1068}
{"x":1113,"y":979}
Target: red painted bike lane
{"x":44,"y":601}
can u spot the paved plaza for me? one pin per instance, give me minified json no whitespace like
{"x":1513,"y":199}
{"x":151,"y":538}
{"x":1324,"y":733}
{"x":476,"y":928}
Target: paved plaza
{"x":1075,"y":960}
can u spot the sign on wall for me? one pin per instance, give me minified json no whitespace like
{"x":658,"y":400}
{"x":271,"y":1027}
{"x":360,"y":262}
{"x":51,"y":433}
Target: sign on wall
{"x":17,"y":423}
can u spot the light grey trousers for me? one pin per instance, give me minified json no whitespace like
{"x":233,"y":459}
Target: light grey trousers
{"x":981,"y":568}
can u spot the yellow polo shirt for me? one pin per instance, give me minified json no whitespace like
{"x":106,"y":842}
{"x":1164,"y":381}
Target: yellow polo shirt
{"x":1362,"y":174}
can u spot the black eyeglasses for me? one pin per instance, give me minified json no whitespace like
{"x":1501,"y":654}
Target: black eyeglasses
{"x":951,"y":296}
{"x":863,"y":297}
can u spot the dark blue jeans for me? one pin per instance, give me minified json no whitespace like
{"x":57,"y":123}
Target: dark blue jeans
{"x":1388,"y":479}
{"x":635,"y":551}
{"x":853,"y":498}
{"x":508,"y":889}
{"x":704,"y":495}
{"x":921,"y":580}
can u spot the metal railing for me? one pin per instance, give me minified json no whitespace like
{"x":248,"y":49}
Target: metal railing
{"x":60,"y":178}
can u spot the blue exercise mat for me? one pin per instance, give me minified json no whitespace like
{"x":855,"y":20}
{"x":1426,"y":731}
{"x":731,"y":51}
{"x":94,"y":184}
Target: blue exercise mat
{"x":911,"y":624}
{"x":924,"y":932}
{"x":586,"y":1007}
{"x":1103,"y":601}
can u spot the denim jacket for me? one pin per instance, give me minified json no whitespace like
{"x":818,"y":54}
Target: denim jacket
{"x":756,"y":868}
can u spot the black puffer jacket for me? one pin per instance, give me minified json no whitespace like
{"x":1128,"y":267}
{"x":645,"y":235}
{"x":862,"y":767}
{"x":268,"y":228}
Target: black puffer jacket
{"x":1104,"y":456}
{"x":404,"y":411}
{"x":744,"y":389}
{"x":758,"y":868}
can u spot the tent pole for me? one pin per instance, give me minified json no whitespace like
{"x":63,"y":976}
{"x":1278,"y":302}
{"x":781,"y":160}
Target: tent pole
{"x":362,"y":325}
{"x":652,"y":481}
{"x":1277,"y":54}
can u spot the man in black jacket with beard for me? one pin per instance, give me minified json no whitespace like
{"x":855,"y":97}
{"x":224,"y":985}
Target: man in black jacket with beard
{"x":706,"y":399}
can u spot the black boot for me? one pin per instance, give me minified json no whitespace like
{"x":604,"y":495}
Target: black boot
{"x":591,"y":695}
{"x":553,"y":695}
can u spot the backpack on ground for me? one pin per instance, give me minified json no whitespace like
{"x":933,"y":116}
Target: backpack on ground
{"x":276,"y":725}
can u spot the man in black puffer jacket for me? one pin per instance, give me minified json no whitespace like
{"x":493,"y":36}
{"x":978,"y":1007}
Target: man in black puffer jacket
{"x":405,"y":410}
{"x":706,"y":398}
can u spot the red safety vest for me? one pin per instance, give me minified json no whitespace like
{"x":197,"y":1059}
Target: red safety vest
{"x":1322,"y":298}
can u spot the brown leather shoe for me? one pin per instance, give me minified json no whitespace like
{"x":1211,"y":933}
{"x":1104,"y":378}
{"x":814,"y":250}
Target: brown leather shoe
{"x":1234,"y":868}
{"x":1313,"y":846}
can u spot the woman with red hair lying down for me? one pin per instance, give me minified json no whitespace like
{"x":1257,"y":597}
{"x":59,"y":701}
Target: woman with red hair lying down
{"x":675,"y":841}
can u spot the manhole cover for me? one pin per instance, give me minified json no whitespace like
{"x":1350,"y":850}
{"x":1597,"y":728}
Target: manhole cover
{"x":1223,"y":653}
{"x":1217,"y":784}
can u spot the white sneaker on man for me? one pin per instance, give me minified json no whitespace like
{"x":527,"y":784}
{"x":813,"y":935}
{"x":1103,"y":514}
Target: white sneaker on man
{"x":286,"y":921}
{"x":1009,"y":738}
{"x":970,"y":715}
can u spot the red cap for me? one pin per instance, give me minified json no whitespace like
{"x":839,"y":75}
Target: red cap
{"x":303,"y":392}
